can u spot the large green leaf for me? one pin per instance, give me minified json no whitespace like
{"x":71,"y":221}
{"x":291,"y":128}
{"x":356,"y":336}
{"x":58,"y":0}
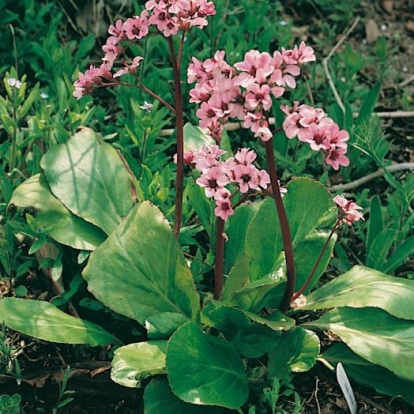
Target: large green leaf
{"x":255,"y":246}
{"x":375,"y":335}
{"x":89,"y":178}
{"x":45,"y":321}
{"x":361,"y":287}
{"x":56,"y":220}
{"x":205,"y":370}
{"x":140,"y":271}
{"x":296,"y":351}
{"x":158,"y":398}
{"x":369,"y":374}
{"x":135,"y":362}
{"x":251,"y":334}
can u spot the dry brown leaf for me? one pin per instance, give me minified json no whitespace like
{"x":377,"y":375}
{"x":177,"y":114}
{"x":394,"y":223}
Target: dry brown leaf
{"x":372,"y":31}
{"x":410,"y":25}
{"x":388,"y":5}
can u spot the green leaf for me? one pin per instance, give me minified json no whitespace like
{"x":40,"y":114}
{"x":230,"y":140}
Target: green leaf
{"x":135,"y":362}
{"x":195,"y":138}
{"x":255,"y":246}
{"x":374,"y":335}
{"x":158,"y":398}
{"x":375,"y":223}
{"x":404,"y":250}
{"x":45,"y":321}
{"x":163,"y":325}
{"x":251,"y":334}
{"x":140,"y":271}
{"x":380,"y":248}
{"x":202,"y":206}
{"x":236,"y":232}
{"x":374,"y":376}
{"x":368,"y":104}
{"x":89,"y":178}
{"x":55,"y":219}
{"x":205,"y":370}
{"x":296,"y":351}
{"x":363,"y":287}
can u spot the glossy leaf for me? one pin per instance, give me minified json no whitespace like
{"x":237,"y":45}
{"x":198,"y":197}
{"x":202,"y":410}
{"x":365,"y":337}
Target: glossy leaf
{"x":369,"y":374}
{"x":158,"y":398}
{"x":163,"y":325}
{"x":255,"y":246}
{"x":374,"y":335}
{"x":89,"y":178}
{"x":251,"y":334}
{"x":362,"y":287}
{"x":135,"y":362}
{"x":140,"y":271}
{"x":296,"y":351}
{"x":205,"y":370}
{"x":45,"y":321}
{"x":56,"y":220}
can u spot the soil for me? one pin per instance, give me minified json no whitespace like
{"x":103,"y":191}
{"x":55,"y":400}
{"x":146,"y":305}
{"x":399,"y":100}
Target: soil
{"x":94,"y":392}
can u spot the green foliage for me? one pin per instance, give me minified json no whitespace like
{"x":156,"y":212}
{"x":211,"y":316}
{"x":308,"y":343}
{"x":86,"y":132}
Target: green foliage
{"x":10,"y":404}
{"x":43,"y":320}
{"x":157,"y":275}
{"x":110,"y":206}
{"x":99,"y":179}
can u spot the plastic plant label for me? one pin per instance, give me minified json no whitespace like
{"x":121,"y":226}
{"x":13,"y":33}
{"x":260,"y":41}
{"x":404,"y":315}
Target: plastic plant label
{"x":346,"y":388}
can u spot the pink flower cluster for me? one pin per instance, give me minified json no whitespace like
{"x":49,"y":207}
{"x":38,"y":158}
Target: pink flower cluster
{"x":167,"y":16}
{"x":313,"y":126}
{"x":244,"y":91}
{"x":216,"y":175}
{"x":348,"y":210}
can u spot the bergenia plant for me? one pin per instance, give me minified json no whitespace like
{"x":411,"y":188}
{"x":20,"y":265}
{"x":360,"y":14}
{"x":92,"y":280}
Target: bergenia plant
{"x":231,"y":341}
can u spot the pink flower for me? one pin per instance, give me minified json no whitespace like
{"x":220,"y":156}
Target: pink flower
{"x":207,"y":157}
{"x":136,"y":27}
{"x":245,"y":156}
{"x":212,"y":180}
{"x":223,"y":208}
{"x":132,"y":68}
{"x":348,"y":210}
{"x":335,"y":157}
{"x":258,"y":95}
{"x":93,"y":78}
{"x":257,"y":67}
{"x":246,"y":177}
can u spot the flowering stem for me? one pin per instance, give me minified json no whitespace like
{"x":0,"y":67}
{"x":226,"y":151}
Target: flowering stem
{"x":219,"y":259}
{"x":155,"y":96}
{"x":284,"y":226}
{"x":179,"y":124}
{"x":315,"y":266}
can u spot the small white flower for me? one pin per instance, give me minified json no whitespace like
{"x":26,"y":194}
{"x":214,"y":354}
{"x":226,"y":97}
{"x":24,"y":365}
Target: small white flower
{"x":14,"y":83}
{"x":146,"y":107}
{"x":44,"y":95}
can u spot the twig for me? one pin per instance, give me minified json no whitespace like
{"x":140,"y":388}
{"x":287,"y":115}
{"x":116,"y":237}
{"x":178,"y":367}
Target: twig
{"x":373,"y":403}
{"x":316,"y":395}
{"x":360,"y":181}
{"x":326,"y":67}
{"x":393,"y":114}
{"x":406,"y":81}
